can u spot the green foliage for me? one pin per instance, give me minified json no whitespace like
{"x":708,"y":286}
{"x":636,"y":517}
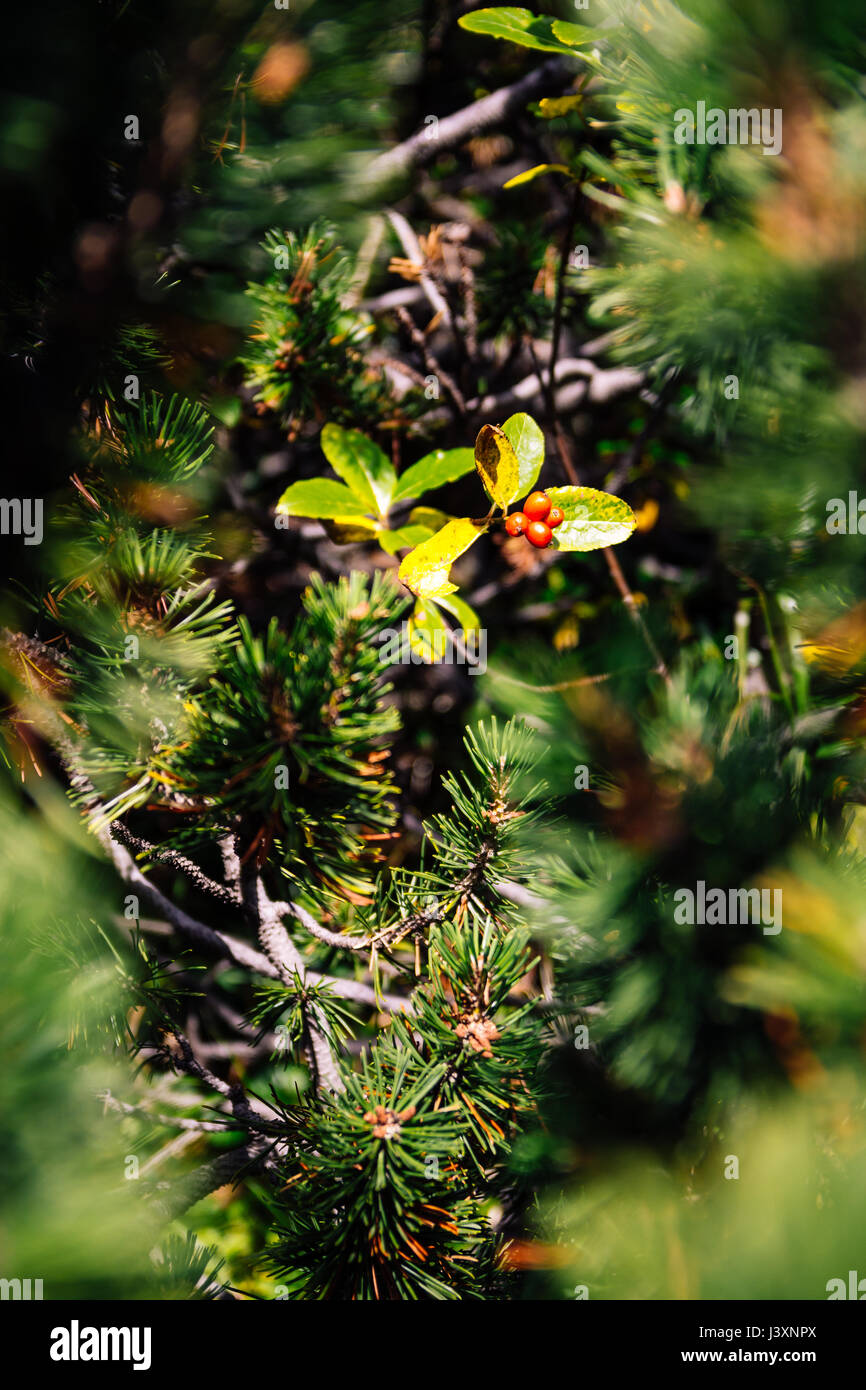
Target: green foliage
{"x":305,"y":358}
{"x":64,"y":970}
{"x":527,"y":29}
{"x":277,"y":745}
{"x":405,"y":1154}
{"x":508,"y":462}
{"x":429,"y":1049}
{"x":362,"y":504}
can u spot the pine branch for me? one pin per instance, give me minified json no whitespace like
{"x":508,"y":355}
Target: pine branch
{"x":287,"y":961}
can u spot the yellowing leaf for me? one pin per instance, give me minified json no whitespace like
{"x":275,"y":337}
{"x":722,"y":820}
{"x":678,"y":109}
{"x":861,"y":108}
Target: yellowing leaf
{"x":647,"y":515}
{"x":497,"y":465}
{"x":567,"y":635}
{"x":428,"y":635}
{"x":841,"y":645}
{"x":425,"y":569}
{"x":535,"y":172}
{"x":550,"y":107}
{"x":347,"y":530}
{"x":593,"y":519}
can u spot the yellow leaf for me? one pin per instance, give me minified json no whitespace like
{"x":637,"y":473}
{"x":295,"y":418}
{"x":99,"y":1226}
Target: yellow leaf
{"x":841,"y":645}
{"x":537,"y":169}
{"x":425,"y":569}
{"x":497,"y":465}
{"x":549,"y":107}
{"x":647,"y":515}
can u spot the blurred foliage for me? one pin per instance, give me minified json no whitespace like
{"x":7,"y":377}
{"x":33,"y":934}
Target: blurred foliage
{"x":727,"y":750}
{"x":70,"y":1208}
{"x":690,"y":1051}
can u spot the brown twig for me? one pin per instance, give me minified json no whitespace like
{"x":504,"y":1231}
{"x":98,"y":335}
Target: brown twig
{"x":430,"y":361}
{"x":453,"y":130}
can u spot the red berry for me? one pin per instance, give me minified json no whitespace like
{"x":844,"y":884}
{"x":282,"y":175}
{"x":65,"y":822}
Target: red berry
{"x":539,"y":534}
{"x":516,"y":524}
{"x":555,"y":517}
{"x":536,"y":506}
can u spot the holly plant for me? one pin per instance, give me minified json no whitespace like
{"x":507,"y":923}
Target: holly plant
{"x":508,"y":461}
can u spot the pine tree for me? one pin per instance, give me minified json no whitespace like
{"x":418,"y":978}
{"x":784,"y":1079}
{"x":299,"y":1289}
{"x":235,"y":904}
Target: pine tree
{"x":247,"y":773}
{"x":508,"y":1060}
{"x":705,"y":1083}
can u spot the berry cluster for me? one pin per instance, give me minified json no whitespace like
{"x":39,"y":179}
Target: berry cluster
{"x":537,"y":522}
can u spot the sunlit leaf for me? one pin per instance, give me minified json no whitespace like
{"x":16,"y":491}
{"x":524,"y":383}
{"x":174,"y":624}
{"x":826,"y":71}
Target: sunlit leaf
{"x":592,"y":519}
{"x":403,"y":538}
{"x":535,"y":172}
{"x":527,"y":441}
{"x":362,"y":465}
{"x":497,"y":465}
{"x":574,"y":35}
{"x":518,"y":26}
{"x":432,"y":471}
{"x":321,"y":497}
{"x":425,"y":570}
{"x":461,"y":610}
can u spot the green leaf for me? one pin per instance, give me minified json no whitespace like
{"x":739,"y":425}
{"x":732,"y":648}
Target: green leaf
{"x":535,"y":172}
{"x":428,"y":632}
{"x":527,"y":441}
{"x":362,"y":464}
{"x":434,"y":470}
{"x":403,"y":538}
{"x":459,"y":609}
{"x":425,"y":570}
{"x":321,"y":497}
{"x":516,"y":25}
{"x":592,"y":519}
{"x":575,"y":35}
{"x":497,"y":465}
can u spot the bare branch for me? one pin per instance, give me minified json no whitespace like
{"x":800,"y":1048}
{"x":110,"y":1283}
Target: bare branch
{"x":175,"y":1121}
{"x":284,"y":955}
{"x":411,"y":245}
{"x":481,"y":115}
{"x":174,"y":1199}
